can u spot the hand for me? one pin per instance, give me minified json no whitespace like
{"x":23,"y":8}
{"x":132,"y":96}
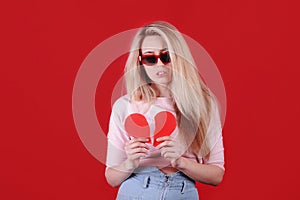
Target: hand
{"x":171,"y":149}
{"x":135,"y":150}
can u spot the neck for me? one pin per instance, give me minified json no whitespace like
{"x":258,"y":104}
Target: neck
{"x":162,"y":90}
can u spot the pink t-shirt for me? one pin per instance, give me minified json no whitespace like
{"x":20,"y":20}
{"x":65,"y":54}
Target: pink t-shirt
{"x":117,"y":135}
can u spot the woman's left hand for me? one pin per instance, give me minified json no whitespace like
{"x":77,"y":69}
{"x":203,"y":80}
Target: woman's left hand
{"x":172,"y":149}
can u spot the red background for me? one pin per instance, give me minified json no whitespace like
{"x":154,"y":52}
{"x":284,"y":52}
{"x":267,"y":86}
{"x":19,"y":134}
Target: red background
{"x":254,"y":43}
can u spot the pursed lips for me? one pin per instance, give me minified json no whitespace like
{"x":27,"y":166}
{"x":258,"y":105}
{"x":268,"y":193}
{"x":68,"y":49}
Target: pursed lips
{"x":161,"y":73}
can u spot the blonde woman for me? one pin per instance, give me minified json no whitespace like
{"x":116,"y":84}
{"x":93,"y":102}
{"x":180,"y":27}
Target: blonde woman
{"x":161,"y":77}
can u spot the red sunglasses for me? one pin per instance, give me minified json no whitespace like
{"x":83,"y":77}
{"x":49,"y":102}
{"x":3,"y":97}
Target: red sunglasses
{"x":150,"y":59}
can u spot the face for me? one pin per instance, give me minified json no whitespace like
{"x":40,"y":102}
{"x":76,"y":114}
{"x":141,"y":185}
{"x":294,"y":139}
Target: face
{"x":159,"y":73}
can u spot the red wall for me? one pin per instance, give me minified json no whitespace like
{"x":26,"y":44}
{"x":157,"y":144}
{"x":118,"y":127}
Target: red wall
{"x":255,"y":45}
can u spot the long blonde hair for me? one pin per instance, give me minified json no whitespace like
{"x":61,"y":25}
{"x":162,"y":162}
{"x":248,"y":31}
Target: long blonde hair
{"x":192,"y":98}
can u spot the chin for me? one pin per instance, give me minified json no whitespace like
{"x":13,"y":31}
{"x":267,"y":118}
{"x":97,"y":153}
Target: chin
{"x":162,"y":82}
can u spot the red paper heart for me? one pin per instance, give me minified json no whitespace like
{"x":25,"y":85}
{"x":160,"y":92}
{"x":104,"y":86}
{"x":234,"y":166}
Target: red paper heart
{"x":136,"y":125}
{"x":165,"y":124}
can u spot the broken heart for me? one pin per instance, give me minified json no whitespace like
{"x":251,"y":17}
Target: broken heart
{"x":136,"y":125}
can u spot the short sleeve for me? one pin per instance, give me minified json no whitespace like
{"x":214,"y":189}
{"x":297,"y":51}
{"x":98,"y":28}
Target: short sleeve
{"x":216,"y":155}
{"x":116,"y":136}
{"x":215,"y":139}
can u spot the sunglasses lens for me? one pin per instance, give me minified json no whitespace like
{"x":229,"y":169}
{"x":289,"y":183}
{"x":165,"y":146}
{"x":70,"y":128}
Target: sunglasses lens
{"x":149,"y":60}
{"x":165,"y":58}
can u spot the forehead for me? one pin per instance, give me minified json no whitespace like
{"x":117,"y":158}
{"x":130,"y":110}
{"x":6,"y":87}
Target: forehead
{"x":153,"y":43}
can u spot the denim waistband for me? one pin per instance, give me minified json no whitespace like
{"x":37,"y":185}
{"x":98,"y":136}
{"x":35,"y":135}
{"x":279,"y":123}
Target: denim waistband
{"x":153,"y":177}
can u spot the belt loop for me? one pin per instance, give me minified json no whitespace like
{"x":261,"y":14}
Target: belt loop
{"x":146,"y":181}
{"x":183,"y":186}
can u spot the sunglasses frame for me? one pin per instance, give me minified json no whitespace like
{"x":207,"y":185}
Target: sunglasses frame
{"x":143,"y":56}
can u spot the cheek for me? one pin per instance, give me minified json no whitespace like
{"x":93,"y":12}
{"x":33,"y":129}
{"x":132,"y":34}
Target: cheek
{"x":170,"y":71}
{"x":150,"y":71}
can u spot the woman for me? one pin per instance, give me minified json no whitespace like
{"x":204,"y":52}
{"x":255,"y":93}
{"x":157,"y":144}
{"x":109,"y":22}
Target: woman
{"x":161,"y":77}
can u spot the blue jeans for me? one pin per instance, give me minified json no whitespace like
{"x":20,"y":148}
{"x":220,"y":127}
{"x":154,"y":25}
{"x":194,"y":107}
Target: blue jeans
{"x":152,"y":184}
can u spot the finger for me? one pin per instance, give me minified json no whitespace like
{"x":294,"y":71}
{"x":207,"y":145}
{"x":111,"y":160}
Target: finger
{"x":137,"y":144}
{"x":137,"y":150}
{"x":166,"y":150}
{"x":171,"y":155}
{"x":165,"y":144}
{"x":138,"y":140}
{"x":164,"y":138}
{"x":129,"y":147}
{"x":137,"y":156}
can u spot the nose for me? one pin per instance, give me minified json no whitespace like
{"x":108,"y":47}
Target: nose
{"x":159,"y":62}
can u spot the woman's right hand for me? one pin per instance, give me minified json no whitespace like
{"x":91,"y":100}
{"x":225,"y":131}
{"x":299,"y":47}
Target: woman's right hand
{"x":135,"y":150}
